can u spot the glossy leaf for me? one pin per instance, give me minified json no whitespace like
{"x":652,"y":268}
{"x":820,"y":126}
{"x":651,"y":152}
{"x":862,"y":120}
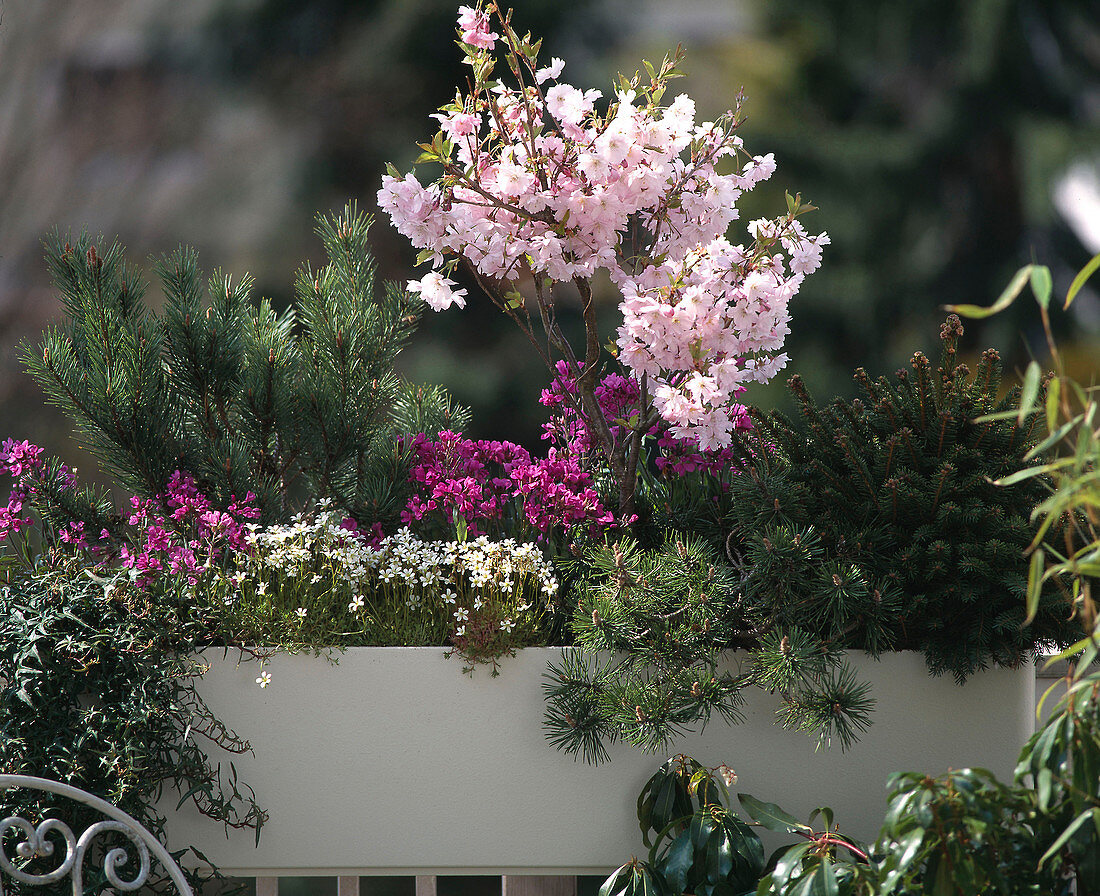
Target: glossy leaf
{"x":770,"y":815}
{"x":677,"y":862}
{"x":1067,"y":834}
{"x":789,"y":862}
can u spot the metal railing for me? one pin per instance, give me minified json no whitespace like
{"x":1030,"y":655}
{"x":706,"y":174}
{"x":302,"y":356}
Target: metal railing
{"x":34,"y":841}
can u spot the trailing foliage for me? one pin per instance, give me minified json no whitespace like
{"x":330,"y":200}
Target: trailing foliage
{"x":248,"y":400}
{"x":653,"y":624}
{"x":878,"y":524}
{"x":96,"y":689}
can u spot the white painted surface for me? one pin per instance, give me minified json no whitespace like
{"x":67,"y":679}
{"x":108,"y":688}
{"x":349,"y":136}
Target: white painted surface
{"x":393,"y":762}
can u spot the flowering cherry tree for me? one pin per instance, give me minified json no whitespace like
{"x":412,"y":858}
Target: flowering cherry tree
{"x":539,"y":181}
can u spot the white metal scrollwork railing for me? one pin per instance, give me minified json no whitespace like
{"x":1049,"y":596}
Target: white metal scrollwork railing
{"x":33,"y":841}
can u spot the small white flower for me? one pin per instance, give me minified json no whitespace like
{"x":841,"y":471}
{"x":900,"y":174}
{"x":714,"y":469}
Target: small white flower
{"x":507,"y":626}
{"x":264,"y":680}
{"x":462,"y":614}
{"x":357,"y":604}
{"x":460,"y":631}
{"x":727,"y":774}
{"x":261,"y":588}
{"x":301,"y":612}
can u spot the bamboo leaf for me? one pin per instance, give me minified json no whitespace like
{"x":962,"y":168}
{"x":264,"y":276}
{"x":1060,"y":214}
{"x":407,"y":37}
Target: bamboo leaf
{"x":1041,"y":284}
{"x":1029,"y":392}
{"x":1034,"y":584}
{"x":1054,"y":394}
{"x":1082,"y":277}
{"x":1006,"y":298}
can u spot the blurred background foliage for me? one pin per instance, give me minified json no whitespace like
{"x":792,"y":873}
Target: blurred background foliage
{"x":945,"y":144}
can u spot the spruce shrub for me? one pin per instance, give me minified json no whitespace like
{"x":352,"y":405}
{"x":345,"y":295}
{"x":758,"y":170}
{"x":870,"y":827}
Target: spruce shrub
{"x":878,"y":523}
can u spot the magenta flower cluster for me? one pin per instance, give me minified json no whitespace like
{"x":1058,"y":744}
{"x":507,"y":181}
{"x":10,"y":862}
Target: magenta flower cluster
{"x":620,"y":398}
{"x":24,"y":463}
{"x":163,"y":521}
{"x":179,"y":533}
{"x":478,"y":480}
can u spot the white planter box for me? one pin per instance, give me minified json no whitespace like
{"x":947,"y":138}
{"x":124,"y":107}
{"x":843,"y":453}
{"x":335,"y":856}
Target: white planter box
{"x":393,"y":762}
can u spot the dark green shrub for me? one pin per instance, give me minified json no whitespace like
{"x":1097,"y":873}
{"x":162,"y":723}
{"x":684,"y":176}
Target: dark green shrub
{"x":283,"y":405}
{"x":877,"y":524}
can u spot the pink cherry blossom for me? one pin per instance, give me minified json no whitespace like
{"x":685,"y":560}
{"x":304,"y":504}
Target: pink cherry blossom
{"x":556,"y":189}
{"x":438,"y":291}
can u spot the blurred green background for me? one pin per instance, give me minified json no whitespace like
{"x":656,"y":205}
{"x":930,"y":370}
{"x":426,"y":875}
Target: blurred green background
{"x":946,"y":143}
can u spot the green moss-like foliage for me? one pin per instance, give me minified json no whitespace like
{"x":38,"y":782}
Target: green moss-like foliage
{"x":878,"y":523}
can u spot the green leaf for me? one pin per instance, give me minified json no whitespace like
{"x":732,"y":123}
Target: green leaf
{"x":1041,"y":284}
{"x":1053,"y":396}
{"x":825,"y":879}
{"x":1065,"y":836}
{"x":1021,"y":475}
{"x":1034,"y":584}
{"x":1006,"y":298}
{"x":770,"y":815}
{"x":718,"y":857}
{"x":788,"y":863}
{"x":1082,"y":277}
{"x":910,"y":844}
{"x":1029,"y":392}
{"x":677,"y":862}
{"x":807,"y":886}
{"x":665,"y":802}
{"x":825,"y":814}
{"x":702,"y":824}
{"x":1044,"y":780}
{"x":609,"y":885}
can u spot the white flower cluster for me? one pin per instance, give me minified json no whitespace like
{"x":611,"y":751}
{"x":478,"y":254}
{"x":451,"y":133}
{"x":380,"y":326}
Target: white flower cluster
{"x":427,"y":575}
{"x":501,"y":564}
{"x":295,"y":550}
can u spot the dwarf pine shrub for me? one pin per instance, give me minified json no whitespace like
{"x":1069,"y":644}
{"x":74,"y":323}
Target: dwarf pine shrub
{"x":245,"y":398}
